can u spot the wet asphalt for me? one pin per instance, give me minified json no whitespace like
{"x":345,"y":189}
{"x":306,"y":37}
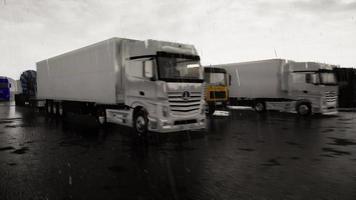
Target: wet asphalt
{"x":243,"y":156}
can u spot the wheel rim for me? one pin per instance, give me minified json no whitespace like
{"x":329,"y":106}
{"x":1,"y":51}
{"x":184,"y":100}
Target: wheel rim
{"x":49,"y":108}
{"x":303,"y":109}
{"x":259,"y":106}
{"x":140,"y":124}
{"x":54,"y":110}
{"x":60,"y":111}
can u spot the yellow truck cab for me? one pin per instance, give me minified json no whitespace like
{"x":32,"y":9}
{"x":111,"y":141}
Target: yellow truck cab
{"x":216,"y":88}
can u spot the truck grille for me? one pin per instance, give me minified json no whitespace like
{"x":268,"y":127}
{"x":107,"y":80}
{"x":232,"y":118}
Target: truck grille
{"x":330,"y":97}
{"x":217,"y":95}
{"x":179,"y":105}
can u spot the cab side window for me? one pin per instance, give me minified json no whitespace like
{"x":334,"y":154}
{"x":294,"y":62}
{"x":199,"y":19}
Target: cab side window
{"x":135,"y":68}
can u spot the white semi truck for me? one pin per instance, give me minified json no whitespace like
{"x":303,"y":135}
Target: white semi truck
{"x":148,"y":85}
{"x":278,"y":84}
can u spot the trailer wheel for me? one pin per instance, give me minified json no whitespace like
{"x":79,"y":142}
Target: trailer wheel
{"x":304,"y":109}
{"x":141,"y":123}
{"x":260,"y":106}
{"x":49,"y":108}
{"x":101,"y":116}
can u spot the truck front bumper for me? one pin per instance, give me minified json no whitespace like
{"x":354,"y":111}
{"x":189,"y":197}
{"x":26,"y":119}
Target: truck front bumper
{"x":175,"y":125}
{"x":326,"y":110}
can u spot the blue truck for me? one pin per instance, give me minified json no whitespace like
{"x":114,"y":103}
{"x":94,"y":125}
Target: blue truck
{"x":4,"y":89}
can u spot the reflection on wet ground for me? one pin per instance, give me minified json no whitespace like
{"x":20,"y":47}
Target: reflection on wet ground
{"x":241,"y":156}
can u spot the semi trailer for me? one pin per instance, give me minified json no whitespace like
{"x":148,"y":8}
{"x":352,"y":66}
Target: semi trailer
{"x":148,"y":85}
{"x":216,"y":88}
{"x":279,"y":84}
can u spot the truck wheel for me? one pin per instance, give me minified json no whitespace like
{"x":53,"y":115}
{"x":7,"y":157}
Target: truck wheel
{"x":60,"y":110}
{"x":55,"y":109}
{"x":141,"y":123}
{"x":101,"y":117}
{"x":304,"y":109}
{"x":260,"y":106}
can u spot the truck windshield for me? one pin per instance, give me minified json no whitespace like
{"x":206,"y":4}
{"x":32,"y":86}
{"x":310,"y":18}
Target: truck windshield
{"x":327,"y":78}
{"x":4,"y":85}
{"x":215,"y":78}
{"x":179,"y":68}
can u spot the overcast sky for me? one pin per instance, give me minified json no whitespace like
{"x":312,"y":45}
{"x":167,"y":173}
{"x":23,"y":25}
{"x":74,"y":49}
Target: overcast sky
{"x":223,"y":31}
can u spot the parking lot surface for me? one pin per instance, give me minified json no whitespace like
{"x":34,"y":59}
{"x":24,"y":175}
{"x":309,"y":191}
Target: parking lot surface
{"x":242,"y":156}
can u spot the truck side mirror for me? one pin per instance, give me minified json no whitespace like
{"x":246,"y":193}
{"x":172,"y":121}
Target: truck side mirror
{"x":148,"y":69}
{"x":229,"y":79}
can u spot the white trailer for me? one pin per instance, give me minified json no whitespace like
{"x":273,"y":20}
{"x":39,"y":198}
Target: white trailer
{"x":278,"y":84}
{"x":149,"y":85}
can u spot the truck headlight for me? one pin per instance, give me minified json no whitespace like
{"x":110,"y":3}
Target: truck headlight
{"x":165,"y":111}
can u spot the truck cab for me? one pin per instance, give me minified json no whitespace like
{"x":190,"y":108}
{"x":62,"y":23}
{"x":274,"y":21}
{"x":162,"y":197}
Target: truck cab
{"x":216,"y":88}
{"x":315,"y":86}
{"x":163,"y":87}
{"x":4,"y":89}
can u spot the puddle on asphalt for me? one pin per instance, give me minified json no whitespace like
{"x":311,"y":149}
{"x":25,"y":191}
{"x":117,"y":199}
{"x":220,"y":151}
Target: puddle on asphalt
{"x":6,"y":148}
{"x":21,"y":150}
{"x":12,"y":164}
{"x":292,"y":143}
{"x":345,"y":119}
{"x":17,"y":126}
{"x":6,"y":122}
{"x":246,"y":149}
{"x":12,"y":118}
{"x":335,"y":151}
{"x":341,"y":141}
{"x":327,"y":155}
{"x":272,"y":162}
{"x":328,"y":130}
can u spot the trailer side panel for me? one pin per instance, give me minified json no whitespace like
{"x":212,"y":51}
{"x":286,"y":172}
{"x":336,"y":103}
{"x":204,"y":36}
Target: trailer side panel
{"x":87,"y":74}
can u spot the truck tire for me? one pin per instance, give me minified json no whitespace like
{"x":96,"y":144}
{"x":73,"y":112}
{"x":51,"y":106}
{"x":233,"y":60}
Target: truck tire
{"x":304,"y":109}
{"x":259,"y":106}
{"x":61,"y":112}
{"x":141,"y":124}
